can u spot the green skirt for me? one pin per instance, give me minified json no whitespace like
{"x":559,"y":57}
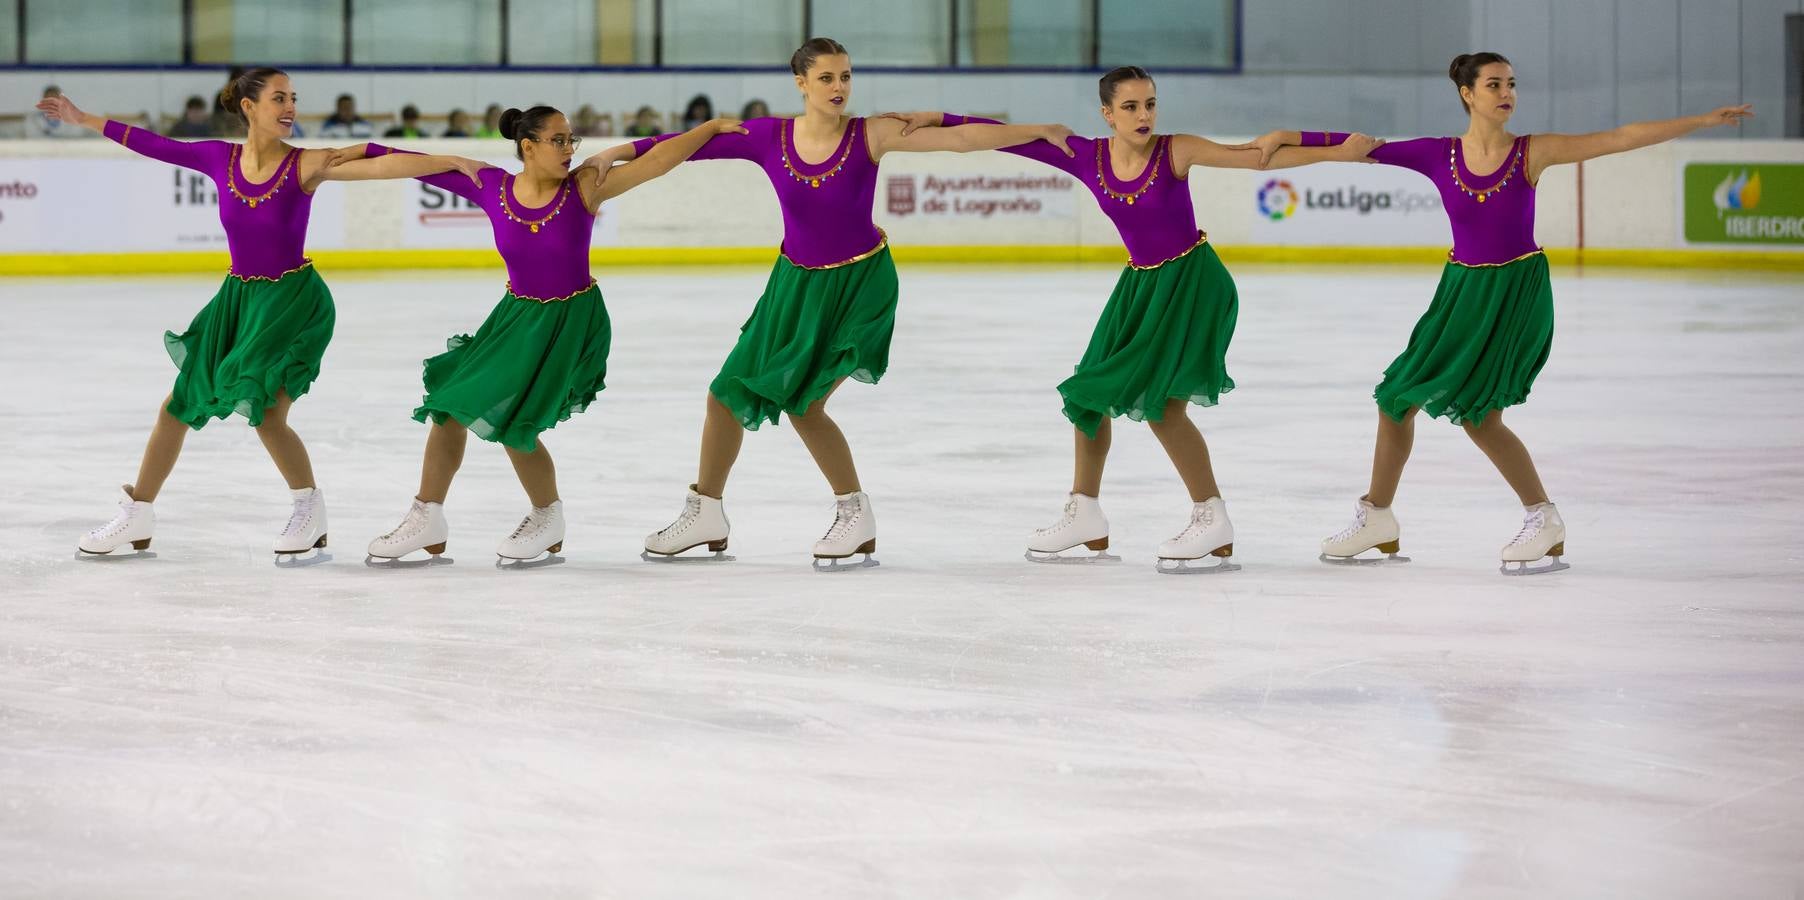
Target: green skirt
{"x":255,"y":339}
{"x":530,"y":366}
{"x":1478,"y":347}
{"x":1163,"y":335}
{"x":811,"y":328}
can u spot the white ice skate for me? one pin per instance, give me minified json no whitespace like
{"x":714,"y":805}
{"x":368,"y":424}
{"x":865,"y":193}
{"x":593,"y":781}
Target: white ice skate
{"x":1372,"y":528}
{"x":703,"y":521}
{"x":1543,"y":536}
{"x":134,"y":525}
{"x":854,"y":531}
{"x":1082,"y":523}
{"x":303,"y":540}
{"x":424,"y":528}
{"x":1209,"y":534}
{"x":535,"y":541}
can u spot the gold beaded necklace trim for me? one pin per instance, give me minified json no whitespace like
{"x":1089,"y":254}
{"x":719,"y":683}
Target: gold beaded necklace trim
{"x":1453,"y":163}
{"x":563,"y":194}
{"x":570,"y":296}
{"x":1152,"y":171}
{"x":279,"y":179}
{"x":815,"y":180}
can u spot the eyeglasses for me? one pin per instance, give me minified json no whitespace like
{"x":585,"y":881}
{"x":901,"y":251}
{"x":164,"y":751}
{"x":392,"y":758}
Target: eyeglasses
{"x":560,"y":142}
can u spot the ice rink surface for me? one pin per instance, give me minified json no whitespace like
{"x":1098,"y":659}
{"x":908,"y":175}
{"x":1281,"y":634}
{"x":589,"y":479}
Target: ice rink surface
{"x":958,"y":722}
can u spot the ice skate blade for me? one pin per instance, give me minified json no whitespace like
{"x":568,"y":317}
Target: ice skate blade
{"x":1523,"y":568}
{"x":508,"y":564}
{"x":113,"y":558}
{"x":839,"y":564}
{"x":716,"y":556}
{"x":385,"y":562}
{"x":1389,"y":559}
{"x":302,"y":560}
{"x":1055,"y":559}
{"x":1167,"y":566}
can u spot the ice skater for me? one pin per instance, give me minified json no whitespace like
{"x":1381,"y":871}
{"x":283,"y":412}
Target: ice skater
{"x":256,"y":347}
{"x":1162,"y":340}
{"x":829,"y":307}
{"x":542,"y":354}
{"x":1488,"y":330}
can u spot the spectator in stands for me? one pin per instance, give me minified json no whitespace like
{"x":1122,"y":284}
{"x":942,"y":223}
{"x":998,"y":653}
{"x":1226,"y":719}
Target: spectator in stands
{"x":491,"y":122}
{"x":754,"y":109}
{"x":345,"y":122}
{"x":224,"y":120}
{"x":604,"y":126}
{"x":410,"y":124}
{"x":457,"y":124}
{"x":39,"y":125}
{"x":700,"y":110}
{"x":645,"y":124}
{"x":587,"y":123}
{"x":196,"y":120}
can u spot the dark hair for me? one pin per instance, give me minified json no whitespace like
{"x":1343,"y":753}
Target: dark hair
{"x":803,"y":59}
{"x":702,"y":101}
{"x":248,"y":86}
{"x":410,"y":111}
{"x":195,"y":102}
{"x":517,"y":126}
{"x":1464,"y":70}
{"x":1105,"y":87}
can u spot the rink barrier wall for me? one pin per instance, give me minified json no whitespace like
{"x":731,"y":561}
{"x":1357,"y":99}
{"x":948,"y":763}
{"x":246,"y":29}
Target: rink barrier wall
{"x":95,"y":264}
{"x":123,"y":214}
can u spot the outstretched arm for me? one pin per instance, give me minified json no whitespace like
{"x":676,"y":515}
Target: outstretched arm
{"x":733,"y":144}
{"x":401,"y":165}
{"x":1189,"y":150}
{"x":446,"y":180}
{"x":188,"y":154}
{"x":1060,"y":156}
{"x":885,"y":135}
{"x":314,"y":163}
{"x":1553,"y":149}
{"x":657,"y":161}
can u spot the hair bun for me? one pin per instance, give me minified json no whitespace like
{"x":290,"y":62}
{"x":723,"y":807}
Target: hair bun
{"x":1458,"y":63}
{"x":510,"y":123}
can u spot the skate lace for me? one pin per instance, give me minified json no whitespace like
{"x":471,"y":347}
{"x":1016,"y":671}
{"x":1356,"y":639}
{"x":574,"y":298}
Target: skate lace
{"x":120,"y":519}
{"x":1201,"y":518}
{"x":414,"y":521}
{"x":532,"y":522}
{"x":845,"y":516}
{"x":1531,"y":527}
{"x":1064,"y":521}
{"x":692,"y":510}
{"x":303,"y":512}
{"x":1359,"y":521}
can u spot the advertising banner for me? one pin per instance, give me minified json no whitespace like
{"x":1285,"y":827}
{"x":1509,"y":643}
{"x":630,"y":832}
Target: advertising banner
{"x":1754,"y":204}
{"x":1347,"y":204}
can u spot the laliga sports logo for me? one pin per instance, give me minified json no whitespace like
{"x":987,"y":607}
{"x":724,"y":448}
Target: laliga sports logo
{"x":1737,"y":193}
{"x":1277,"y":200}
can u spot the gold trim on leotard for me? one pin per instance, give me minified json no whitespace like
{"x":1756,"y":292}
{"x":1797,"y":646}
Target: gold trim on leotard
{"x":570,"y":296}
{"x":882,"y":242}
{"x":1202,"y":237}
{"x":304,"y":264}
{"x":1535,"y":252}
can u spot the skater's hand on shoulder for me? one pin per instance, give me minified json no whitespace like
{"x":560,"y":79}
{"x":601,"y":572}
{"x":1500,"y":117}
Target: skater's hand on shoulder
{"x":1267,"y":144}
{"x":1055,"y":135}
{"x":470,"y":167}
{"x":1359,"y":147}
{"x":913,"y":120}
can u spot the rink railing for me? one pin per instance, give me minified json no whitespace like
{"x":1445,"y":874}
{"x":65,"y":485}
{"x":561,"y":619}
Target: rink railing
{"x":90,"y":207}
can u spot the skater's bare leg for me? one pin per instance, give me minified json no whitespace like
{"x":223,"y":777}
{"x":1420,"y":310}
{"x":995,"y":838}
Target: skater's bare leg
{"x":827,"y":444}
{"x":284,"y":446}
{"x":722,"y":436}
{"x":444,"y":454}
{"x":1092,"y":453}
{"x":1391,"y":451}
{"x":537,"y":474}
{"x":160,"y":453}
{"x":1187,"y":449}
{"x":1510,"y":456}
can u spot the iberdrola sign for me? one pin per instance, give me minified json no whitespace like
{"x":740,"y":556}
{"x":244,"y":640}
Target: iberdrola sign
{"x":1744,"y":203}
